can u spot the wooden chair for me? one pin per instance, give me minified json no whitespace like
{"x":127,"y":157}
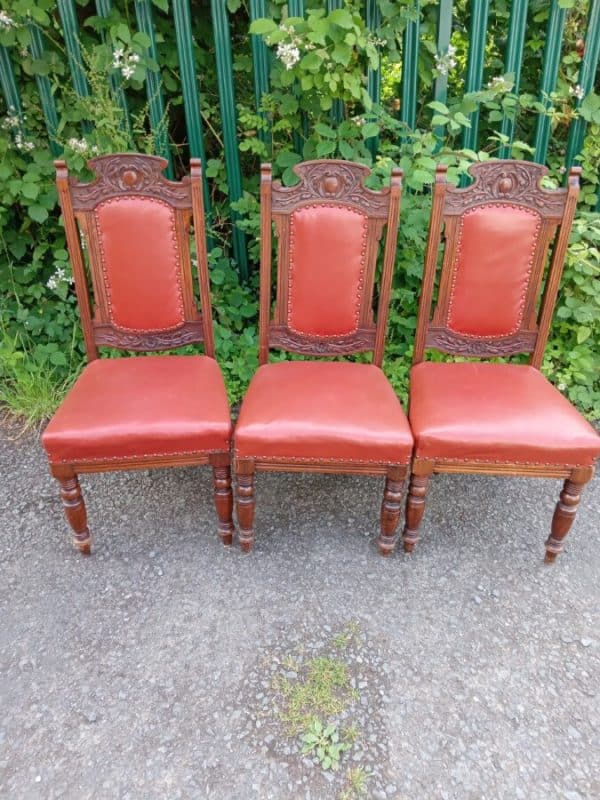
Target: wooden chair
{"x":323,"y":416}
{"x":495,"y":418}
{"x":156,"y":410}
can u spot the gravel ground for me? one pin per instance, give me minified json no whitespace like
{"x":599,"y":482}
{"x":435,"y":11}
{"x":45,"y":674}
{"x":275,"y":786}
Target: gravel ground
{"x":141,"y":671}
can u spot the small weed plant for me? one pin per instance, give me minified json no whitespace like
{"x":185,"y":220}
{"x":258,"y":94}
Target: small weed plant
{"x":324,"y":742}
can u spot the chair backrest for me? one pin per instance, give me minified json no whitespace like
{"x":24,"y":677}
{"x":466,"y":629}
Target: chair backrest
{"x":328,"y":226}
{"x":497,"y":235}
{"x":135,"y":226}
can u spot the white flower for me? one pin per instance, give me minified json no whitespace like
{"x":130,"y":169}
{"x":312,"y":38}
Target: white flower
{"x":11,"y":120}
{"x":288,"y":54}
{"x":577,"y":91}
{"x":21,"y":144}
{"x":445,"y":63}
{"x":127,"y":71}
{"x":561,"y":387}
{"x":500,"y":83}
{"x":78,"y":145}
{"x":6,"y":22}
{"x":133,"y":58}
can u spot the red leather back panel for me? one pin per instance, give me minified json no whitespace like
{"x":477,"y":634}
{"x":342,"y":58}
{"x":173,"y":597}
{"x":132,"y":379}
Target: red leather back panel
{"x":326,"y":271}
{"x":491,"y":271}
{"x":140,"y":263}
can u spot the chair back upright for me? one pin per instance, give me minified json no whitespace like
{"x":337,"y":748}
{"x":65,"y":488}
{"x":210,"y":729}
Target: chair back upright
{"x":496,"y":234}
{"x":328,"y":226}
{"x":135,"y":286}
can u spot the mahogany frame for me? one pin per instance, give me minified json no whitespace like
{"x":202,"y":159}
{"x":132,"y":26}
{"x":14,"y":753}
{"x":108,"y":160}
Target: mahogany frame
{"x":517,"y":183}
{"x":127,"y":174}
{"x":325,"y":181}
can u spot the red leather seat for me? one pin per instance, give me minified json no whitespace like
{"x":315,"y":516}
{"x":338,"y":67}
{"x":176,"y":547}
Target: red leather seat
{"x":316,"y":410}
{"x":122,"y":408}
{"x":496,"y":413}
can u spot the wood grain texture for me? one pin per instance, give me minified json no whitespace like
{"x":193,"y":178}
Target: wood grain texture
{"x":224,"y":503}
{"x":415,"y":508}
{"x":245,"y":503}
{"x":74,"y":508}
{"x":391,"y":507}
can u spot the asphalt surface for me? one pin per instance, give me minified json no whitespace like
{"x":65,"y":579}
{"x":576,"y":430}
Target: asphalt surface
{"x":136,"y":673}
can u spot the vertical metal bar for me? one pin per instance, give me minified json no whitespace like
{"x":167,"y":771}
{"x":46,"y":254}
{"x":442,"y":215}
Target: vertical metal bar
{"x":7,"y":80}
{"x":104,"y":8}
{"x":410,"y":75}
{"x":373,"y":20}
{"x":444,"y":32}
{"x":296,"y":9}
{"x":191,"y":93}
{"x":260,"y":63}
{"x":70,"y":29}
{"x":554,"y":33}
{"x":220,"y":23}
{"x":36,"y":48}
{"x":477,"y":37}
{"x":513,"y":62}
{"x":337,"y":109}
{"x":156,"y":104}
{"x":587,"y":72}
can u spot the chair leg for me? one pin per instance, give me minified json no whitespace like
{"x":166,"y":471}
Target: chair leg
{"x":415,"y":507}
{"x":72,"y":500}
{"x":564,"y":514}
{"x":390,"y":510}
{"x":245,"y":503}
{"x":224,"y":503}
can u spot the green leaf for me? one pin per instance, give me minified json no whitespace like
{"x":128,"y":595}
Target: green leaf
{"x":583,"y":333}
{"x":325,"y":130}
{"x":30,"y":190}
{"x":370,"y":129}
{"x":58,"y":358}
{"x":341,"y":17}
{"x":435,"y":105}
{"x":38,"y":213}
{"x":263,"y":26}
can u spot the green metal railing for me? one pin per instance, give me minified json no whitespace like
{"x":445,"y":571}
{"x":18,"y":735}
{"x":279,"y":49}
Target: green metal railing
{"x":182,"y":18}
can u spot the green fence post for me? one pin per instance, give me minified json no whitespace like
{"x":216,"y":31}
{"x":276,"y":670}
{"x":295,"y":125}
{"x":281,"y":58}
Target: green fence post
{"x":296,"y":9}
{"x":337,"y":109}
{"x":260,"y":63}
{"x":190,"y":91}
{"x":36,"y":48}
{"x":70,"y":30}
{"x":156,"y":104}
{"x":227,"y":105}
{"x":7,"y":80}
{"x":373,"y":20}
{"x":444,"y":32}
{"x":477,"y":37}
{"x":554,"y":33}
{"x":104,"y":8}
{"x":410,"y":73}
{"x":512,"y":63}
{"x":587,"y":72}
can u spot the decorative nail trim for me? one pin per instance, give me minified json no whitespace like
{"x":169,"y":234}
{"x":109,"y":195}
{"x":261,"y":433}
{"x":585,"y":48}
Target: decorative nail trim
{"x":300,"y":460}
{"x":525,"y":289}
{"x":361,"y":274}
{"x":137,"y":457}
{"x":176,"y":269}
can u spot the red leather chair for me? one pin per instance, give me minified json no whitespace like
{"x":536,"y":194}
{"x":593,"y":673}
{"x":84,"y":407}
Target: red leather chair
{"x":323,"y":416}
{"x":151,"y":411}
{"x":495,"y":418}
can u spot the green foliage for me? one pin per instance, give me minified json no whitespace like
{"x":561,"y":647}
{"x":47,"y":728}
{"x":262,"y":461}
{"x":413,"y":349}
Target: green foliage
{"x":324,"y":742}
{"x":356,"y":784}
{"x":322,"y":689}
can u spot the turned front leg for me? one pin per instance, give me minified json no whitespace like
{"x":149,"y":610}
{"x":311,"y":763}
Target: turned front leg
{"x":415,"y":508}
{"x":390,"y":510}
{"x":245,"y":503}
{"x":224,"y":503}
{"x":564,"y":515}
{"x":72,"y":500}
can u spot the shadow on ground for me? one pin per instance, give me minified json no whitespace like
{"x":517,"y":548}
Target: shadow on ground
{"x":136,"y":673}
